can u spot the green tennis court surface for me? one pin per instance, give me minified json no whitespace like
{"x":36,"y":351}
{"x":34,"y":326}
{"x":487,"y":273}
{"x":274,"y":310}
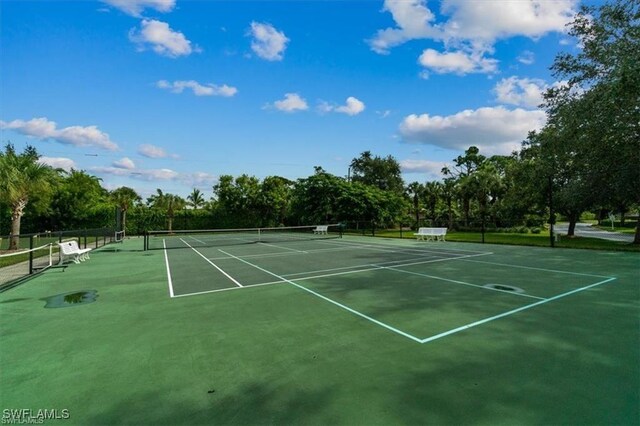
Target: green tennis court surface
{"x":337,"y":331}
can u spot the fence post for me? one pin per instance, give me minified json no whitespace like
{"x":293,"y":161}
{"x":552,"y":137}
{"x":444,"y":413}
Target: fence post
{"x":30,"y":254}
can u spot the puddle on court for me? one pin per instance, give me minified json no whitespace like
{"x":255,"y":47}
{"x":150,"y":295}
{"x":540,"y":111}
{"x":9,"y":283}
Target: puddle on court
{"x":75,"y":298}
{"x":503,"y":287}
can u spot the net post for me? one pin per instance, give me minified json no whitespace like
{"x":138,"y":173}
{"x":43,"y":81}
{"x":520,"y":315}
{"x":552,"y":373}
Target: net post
{"x":30,"y":254}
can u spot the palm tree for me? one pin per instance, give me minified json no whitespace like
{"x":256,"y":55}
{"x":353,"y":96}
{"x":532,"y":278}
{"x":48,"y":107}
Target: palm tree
{"x":195,"y":199}
{"x":432,"y":193}
{"x":21,"y":176}
{"x":125,"y":197}
{"x":448,"y":196}
{"x":167,"y":202}
{"x":415,"y":191}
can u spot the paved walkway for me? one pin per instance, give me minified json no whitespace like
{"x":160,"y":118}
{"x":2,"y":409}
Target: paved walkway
{"x":587,"y":230}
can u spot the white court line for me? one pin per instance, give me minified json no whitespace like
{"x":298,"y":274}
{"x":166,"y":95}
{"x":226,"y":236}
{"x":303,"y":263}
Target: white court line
{"x":385,"y":248}
{"x":388,"y":327}
{"x":539,"y":269}
{"x":416,"y":246}
{"x":266,"y":255}
{"x":195,"y":239}
{"x":369,"y":267}
{"x":166,"y":261}
{"x":230,"y":288}
{"x":395,"y":268}
{"x":283,"y":248}
{"x":212,"y":264}
{"x":514,"y":311}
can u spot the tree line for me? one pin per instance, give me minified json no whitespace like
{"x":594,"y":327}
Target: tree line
{"x":585,"y":159}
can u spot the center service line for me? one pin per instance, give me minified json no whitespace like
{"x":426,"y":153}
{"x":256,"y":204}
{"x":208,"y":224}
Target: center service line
{"x":213,"y":264}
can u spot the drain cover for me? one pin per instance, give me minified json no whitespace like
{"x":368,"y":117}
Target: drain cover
{"x":503,"y":287}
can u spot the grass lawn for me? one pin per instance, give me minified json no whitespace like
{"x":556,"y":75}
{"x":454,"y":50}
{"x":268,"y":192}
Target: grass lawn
{"x":538,"y":240}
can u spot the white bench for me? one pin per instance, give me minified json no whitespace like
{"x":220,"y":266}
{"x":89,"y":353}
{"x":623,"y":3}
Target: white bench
{"x":72,"y":250}
{"x":431,"y":234}
{"x":321,"y":229}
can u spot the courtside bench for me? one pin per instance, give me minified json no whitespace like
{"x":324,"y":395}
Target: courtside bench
{"x":72,"y":250}
{"x":431,"y":234}
{"x":321,"y":229}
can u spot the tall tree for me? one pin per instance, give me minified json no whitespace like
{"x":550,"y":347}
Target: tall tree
{"x":274,"y":200}
{"x":601,"y":100}
{"x":464,"y":166}
{"x":75,"y":200}
{"x":383,"y":173}
{"x":237,"y":200}
{"x":315,"y":198}
{"x":21,"y":177}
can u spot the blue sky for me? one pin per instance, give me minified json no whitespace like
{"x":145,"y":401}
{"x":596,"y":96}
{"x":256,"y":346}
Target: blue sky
{"x":171,"y":94}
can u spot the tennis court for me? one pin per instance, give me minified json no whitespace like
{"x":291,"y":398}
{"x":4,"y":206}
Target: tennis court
{"x":328,"y":330}
{"x":420,"y":291}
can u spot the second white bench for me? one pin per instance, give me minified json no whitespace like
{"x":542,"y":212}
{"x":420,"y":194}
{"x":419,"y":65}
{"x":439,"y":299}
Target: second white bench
{"x":431,"y":234}
{"x":321,"y":229}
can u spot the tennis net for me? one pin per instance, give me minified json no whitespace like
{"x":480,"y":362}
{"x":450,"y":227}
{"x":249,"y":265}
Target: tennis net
{"x":226,"y":237}
{"x":15,"y":266}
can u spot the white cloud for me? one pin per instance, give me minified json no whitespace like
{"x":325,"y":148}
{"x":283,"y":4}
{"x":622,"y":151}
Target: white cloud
{"x":352,"y":106}
{"x":161,"y":38}
{"x":135,"y":7}
{"x":468,"y":30}
{"x":199,"y":179}
{"x":58,"y":162}
{"x":525,"y":92}
{"x":207,"y":89}
{"x":196,"y":179}
{"x":489,"y":20}
{"x":42,"y":128}
{"x":268,"y":43}
{"x":152,"y":151}
{"x":432,"y":168}
{"x":413,"y":19}
{"x":292,"y":102}
{"x":496,"y":130}
{"x":458,"y":62}
{"x":142,"y":174}
{"x":124,"y":163}
{"x":527,"y":57}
